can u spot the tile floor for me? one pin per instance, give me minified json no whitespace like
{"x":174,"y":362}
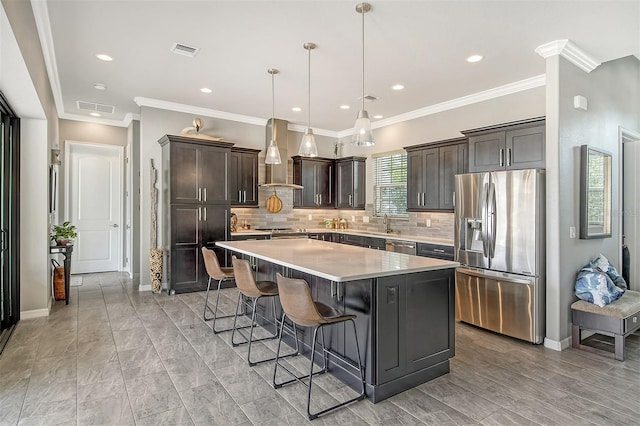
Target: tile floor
{"x":115,"y":356}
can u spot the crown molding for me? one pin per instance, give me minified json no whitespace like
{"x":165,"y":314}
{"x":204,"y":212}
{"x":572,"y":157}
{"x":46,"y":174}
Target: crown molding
{"x":190,"y":109}
{"x":507,"y":89}
{"x":125,"y":122}
{"x":568,"y":50}
{"x":41,"y":15}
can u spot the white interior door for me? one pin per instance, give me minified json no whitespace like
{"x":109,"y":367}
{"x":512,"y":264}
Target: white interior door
{"x":94,"y":205}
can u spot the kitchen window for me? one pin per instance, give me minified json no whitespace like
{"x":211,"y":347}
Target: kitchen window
{"x":390,"y":184}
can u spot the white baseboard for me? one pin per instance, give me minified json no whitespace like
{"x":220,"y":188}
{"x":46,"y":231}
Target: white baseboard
{"x":557,"y":345}
{"x":146,"y":287}
{"x":34,"y":313}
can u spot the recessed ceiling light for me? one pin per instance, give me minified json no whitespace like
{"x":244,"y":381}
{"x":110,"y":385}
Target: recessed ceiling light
{"x":99,"y":86}
{"x":397,"y":87}
{"x":94,"y":114}
{"x":206,"y":90}
{"x":296,"y":109}
{"x":104,"y":57}
{"x":378,"y":116}
{"x":474,"y":58}
{"x":344,"y":107}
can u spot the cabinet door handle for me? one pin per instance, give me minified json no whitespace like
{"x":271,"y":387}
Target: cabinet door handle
{"x":501,"y":157}
{"x":438,"y":250}
{"x":340,"y":291}
{"x":245,"y":196}
{"x":199,"y":194}
{"x":454,"y":199}
{"x":508,"y":157}
{"x":199,"y":213}
{"x":423,"y":204}
{"x":205,"y":195}
{"x":333,"y":289}
{"x":239,"y":196}
{"x":205,"y":214}
{"x":419,"y":198}
{"x":320,"y":198}
{"x":350,"y":200}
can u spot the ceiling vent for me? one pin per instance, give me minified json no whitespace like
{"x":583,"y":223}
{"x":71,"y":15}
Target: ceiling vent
{"x":369,"y":98}
{"x":94,"y":107}
{"x":185,"y":50}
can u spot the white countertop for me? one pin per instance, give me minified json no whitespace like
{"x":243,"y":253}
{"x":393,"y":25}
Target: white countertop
{"x":392,"y":236}
{"x":335,"y":262}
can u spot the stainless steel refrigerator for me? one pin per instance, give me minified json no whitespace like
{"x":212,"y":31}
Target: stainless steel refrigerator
{"x":500,"y":244}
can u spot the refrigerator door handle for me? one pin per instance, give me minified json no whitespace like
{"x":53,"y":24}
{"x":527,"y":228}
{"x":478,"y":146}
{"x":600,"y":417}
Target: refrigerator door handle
{"x":491,"y":208}
{"x":485,"y":223}
{"x":501,"y":157}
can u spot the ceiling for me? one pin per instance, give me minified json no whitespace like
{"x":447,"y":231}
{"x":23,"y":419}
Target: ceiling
{"x":420,"y":44}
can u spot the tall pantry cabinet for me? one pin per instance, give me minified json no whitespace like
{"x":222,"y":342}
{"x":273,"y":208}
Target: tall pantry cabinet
{"x":196,"y":207}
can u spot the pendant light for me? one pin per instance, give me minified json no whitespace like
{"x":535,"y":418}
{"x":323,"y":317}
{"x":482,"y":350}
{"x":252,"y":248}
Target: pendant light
{"x":362,"y":135}
{"x":273,"y":153}
{"x":308,"y":147}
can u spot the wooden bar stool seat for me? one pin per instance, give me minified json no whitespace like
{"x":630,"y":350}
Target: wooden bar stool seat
{"x":302,"y":310}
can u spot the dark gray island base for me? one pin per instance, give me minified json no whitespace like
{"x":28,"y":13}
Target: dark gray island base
{"x":405,"y":322}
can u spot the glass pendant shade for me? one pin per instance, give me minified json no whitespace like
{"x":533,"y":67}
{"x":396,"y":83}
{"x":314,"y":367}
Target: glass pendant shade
{"x":308,"y":147}
{"x":273,"y":154}
{"x":362,"y":134}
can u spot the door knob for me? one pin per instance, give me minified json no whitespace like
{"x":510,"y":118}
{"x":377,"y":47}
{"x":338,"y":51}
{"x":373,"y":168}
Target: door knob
{"x":115,"y":225}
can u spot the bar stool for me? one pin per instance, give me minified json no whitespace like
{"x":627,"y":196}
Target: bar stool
{"x":253,"y":290}
{"x":215,"y":272}
{"x":301,"y":309}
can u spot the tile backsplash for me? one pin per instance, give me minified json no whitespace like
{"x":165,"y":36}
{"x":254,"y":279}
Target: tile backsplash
{"x":441,"y":224}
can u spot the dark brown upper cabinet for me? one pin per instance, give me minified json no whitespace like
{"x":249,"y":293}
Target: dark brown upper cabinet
{"x":350,"y":183}
{"x":509,"y":146}
{"x":431,"y":168}
{"x":197,"y":170}
{"x":316,"y":176}
{"x":243,"y":177}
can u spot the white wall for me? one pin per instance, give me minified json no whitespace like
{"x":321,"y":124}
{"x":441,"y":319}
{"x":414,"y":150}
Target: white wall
{"x":613,"y":94}
{"x":25,"y":83}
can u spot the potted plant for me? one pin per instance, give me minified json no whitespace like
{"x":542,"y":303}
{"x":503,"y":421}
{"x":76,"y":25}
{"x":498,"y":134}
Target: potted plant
{"x":64,"y":234}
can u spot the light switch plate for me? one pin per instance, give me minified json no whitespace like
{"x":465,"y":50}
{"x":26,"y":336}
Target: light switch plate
{"x":310,"y":217}
{"x":428,"y":223}
{"x":365,"y":219}
{"x":572,"y":232}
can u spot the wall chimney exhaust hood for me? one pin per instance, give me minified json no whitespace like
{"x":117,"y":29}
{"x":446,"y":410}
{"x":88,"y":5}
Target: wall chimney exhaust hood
{"x":276,"y":174}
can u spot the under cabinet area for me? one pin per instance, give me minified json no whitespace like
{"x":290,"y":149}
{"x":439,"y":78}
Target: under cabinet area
{"x":431,"y":169}
{"x":510,"y":146}
{"x":243,"y":177}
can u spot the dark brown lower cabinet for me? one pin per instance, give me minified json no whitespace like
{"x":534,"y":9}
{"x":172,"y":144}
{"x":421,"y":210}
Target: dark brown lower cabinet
{"x":405,"y":325}
{"x":193,"y":227}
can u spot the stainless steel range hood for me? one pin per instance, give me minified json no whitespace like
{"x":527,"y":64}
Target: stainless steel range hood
{"x":276,"y":174}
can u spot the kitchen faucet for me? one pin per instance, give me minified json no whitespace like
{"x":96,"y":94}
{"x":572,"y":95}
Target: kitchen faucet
{"x":387,"y":223}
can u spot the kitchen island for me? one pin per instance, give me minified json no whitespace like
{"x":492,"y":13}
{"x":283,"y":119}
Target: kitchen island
{"x":404,"y":306}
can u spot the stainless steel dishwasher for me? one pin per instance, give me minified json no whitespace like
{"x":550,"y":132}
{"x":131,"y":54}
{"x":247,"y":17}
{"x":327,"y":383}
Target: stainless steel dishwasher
{"x":406,"y":247}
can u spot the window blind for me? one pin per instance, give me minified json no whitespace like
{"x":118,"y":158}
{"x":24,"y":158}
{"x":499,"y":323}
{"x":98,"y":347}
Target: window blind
{"x":390,"y":185}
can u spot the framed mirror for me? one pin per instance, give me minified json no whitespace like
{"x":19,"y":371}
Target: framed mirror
{"x":595,"y":193}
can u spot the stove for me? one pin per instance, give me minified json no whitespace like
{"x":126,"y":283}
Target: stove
{"x":282,"y":233}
